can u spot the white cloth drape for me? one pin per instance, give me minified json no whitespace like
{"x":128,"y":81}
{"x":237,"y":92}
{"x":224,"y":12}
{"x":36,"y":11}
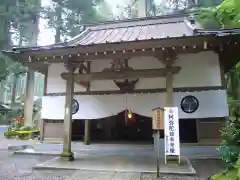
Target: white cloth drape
{"x":211,"y":104}
{"x":143,"y":104}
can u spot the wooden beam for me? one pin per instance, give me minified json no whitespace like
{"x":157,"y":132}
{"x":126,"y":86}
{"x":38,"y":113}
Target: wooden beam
{"x":105,"y":51}
{"x":109,"y":55}
{"x":83,"y":84}
{"x":142,"y":91}
{"x":113,"y":75}
{"x":92,"y":56}
{"x":84,"y":67}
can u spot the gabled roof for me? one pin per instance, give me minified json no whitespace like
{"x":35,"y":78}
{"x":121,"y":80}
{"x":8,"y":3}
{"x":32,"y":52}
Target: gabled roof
{"x":140,"y":29}
{"x":129,"y":36}
{"x":128,"y":31}
{"x":132,"y":31}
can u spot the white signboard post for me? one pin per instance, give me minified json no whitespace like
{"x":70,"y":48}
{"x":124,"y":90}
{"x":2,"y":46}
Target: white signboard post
{"x":157,"y":124}
{"x":171,"y":132}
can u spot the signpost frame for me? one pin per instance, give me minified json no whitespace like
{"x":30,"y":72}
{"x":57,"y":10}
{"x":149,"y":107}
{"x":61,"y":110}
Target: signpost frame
{"x":157,"y":125}
{"x":171,"y":133}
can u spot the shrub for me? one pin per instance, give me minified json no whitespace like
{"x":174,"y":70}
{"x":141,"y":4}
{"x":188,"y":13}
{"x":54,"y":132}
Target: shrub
{"x":230,"y":147}
{"x":25,"y":128}
{"x":22,"y":134}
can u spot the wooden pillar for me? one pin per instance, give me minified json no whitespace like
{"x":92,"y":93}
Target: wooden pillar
{"x":29,"y":99}
{"x":169,"y":89}
{"x":67,"y":139}
{"x":86,"y":132}
{"x":167,"y":58}
{"x":87,"y":122}
{"x":198,"y":130}
{"x":222,"y":75}
{"x":42,"y":126}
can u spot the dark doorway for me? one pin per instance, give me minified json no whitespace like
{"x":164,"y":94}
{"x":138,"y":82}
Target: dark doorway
{"x":116,"y":128}
{"x":122,"y":129}
{"x":78,"y":130}
{"x":188,"y":130}
{"x":137,"y":128}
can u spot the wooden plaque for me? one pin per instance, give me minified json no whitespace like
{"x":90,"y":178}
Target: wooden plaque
{"x":158,"y":119}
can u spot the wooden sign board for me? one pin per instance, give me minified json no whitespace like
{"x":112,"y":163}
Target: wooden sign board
{"x":158,"y":119}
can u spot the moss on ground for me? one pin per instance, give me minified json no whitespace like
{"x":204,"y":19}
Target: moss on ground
{"x":228,"y":175}
{"x":66,"y":154}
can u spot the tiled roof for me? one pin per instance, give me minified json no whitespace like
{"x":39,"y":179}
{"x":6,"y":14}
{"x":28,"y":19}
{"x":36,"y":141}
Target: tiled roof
{"x":132,"y":31}
{"x":136,"y":30}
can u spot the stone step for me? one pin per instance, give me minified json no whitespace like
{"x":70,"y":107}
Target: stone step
{"x":104,"y":175}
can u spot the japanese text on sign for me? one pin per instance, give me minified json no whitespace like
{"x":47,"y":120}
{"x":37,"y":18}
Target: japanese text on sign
{"x":157,"y":119}
{"x":171,"y":131}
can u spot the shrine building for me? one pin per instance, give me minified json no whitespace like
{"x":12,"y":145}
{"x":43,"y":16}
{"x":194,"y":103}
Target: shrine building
{"x":103,"y":84}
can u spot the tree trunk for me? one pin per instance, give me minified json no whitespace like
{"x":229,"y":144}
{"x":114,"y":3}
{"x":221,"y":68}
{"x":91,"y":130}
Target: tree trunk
{"x":4,"y":30}
{"x":14,"y":88}
{"x":192,"y":3}
{"x":58,"y":24}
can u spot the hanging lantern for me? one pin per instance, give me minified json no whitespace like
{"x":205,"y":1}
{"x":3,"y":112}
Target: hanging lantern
{"x":129,"y":117}
{"x":129,"y":114}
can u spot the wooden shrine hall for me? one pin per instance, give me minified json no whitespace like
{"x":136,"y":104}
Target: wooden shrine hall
{"x":163,"y":59}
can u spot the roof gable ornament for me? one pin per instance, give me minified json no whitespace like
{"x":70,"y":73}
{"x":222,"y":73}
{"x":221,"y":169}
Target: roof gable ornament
{"x":125,"y":85}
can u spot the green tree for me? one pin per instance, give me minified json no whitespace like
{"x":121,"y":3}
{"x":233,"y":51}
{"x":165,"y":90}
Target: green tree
{"x":227,"y":15}
{"x":19,"y":26}
{"x":67,"y":16}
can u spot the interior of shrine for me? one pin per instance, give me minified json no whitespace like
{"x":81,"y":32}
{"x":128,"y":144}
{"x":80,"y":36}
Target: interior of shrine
{"x":129,"y":127}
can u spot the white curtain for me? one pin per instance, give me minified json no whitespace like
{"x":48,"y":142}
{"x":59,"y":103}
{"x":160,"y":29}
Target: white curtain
{"x":143,"y":104}
{"x":90,"y":107}
{"x":96,"y":107}
{"x":211,"y":104}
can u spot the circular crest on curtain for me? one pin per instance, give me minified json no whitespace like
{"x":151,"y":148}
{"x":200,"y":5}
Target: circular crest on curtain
{"x":75,"y":106}
{"x":189,"y":104}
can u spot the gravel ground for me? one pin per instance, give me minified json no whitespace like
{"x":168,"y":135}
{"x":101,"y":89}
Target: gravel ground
{"x":20,"y":168}
{"x":147,"y":176}
{"x":204,"y":169}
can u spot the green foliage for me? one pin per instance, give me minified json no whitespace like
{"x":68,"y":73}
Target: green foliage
{"x":231,"y":133}
{"x":228,"y":13}
{"x":18,"y":111}
{"x":230,"y":147}
{"x":206,"y":16}
{"x":67,"y":16}
{"x":22,"y":134}
{"x":25,"y":128}
{"x":16,"y":21}
{"x":231,"y":174}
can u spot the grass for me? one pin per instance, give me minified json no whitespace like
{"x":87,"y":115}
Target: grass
{"x":228,"y":175}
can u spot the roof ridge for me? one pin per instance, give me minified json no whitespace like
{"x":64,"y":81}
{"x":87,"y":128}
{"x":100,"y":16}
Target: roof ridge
{"x":167,"y":16}
{"x":219,"y":30}
{"x":134,"y":25}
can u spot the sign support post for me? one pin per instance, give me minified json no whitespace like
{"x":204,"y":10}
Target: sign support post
{"x":158,"y":153}
{"x":157,"y":124}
